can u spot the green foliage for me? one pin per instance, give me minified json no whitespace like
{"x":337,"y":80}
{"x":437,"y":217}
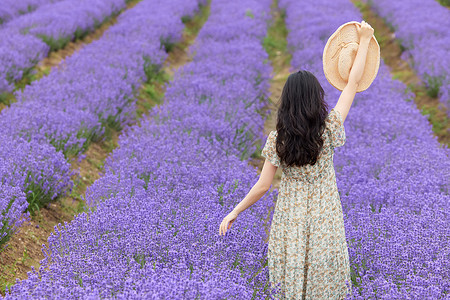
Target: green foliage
{"x":249,"y":13}
{"x":60,"y":144}
{"x":185,"y":19}
{"x":373,"y":207}
{"x":258,"y":79}
{"x":220,"y":191}
{"x":27,"y":77}
{"x":444,"y":2}
{"x":275,"y":42}
{"x":433,"y":84}
{"x":140,"y":259}
{"x":167,"y":44}
{"x":196,"y":22}
{"x":257,"y":153}
{"x":54,"y":44}
{"x":236,"y":184}
{"x":431,"y":112}
{"x":36,"y":197}
{"x":151,"y":92}
{"x":25,"y":256}
{"x":151,"y":70}
{"x":30,"y":8}
{"x":203,"y":98}
{"x":61,"y":42}
{"x":80,"y":281}
{"x":5,"y":226}
{"x":5,"y":98}
{"x":146,"y":177}
{"x":80,"y":33}
{"x":78,"y":185}
{"x":359,"y":4}
{"x":113,"y":121}
{"x":4,"y":272}
{"x":244,"y":135}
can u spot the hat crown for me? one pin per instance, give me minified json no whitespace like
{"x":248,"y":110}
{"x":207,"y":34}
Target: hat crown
{"x":346,"y":58}
{"x":340,"y":53}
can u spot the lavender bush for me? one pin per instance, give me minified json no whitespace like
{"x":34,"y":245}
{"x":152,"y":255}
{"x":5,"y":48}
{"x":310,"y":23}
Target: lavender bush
{"x":12,"y":204}
{"x":392,"y":173}
{"x":31,"y":175}
{"x":427,"y":40}
{"x":29,"y":38}
{"x":18,"y":55}
{"x":152,"y":230}
{"x":11,"y":9}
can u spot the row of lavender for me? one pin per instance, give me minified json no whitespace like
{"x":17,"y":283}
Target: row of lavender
{"x":392,"y":173}
{"x":29,"y":38}
{"x":154,"y":229}
{"x":92,"y":89}
{"x":427,"y":39}
{"x":11,"y":9}
{"x":31,"y":175}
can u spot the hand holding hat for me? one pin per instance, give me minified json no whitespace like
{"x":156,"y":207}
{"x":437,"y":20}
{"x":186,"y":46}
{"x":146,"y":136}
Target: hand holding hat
{"x":340,"y":52}
{"x":365,"y":31}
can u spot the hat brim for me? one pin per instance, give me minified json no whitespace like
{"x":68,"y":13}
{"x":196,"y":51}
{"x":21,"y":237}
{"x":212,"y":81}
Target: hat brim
{"x":348,"y":33}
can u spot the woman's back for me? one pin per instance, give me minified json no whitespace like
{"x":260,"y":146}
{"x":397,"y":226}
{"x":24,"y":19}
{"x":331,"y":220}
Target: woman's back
{"x":308,"y":252}
{"x":333,"y":136}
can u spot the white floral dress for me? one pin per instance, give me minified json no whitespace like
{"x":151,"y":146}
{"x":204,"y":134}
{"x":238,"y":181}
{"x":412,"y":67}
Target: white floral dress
{"x":307,"y":251}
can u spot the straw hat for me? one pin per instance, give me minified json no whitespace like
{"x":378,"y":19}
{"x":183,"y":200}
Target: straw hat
{"x":340,"y":52}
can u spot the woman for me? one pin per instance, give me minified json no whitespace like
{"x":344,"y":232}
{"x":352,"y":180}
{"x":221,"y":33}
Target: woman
{"x":307,"y":251}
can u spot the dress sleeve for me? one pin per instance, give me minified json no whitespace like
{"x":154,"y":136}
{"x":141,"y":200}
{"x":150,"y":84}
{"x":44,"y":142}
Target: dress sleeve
{"x":336,"y":128}
{"x":269,"y":150}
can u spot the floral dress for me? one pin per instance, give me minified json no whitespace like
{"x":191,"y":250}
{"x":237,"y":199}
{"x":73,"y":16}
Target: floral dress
{"x":307,"y":251}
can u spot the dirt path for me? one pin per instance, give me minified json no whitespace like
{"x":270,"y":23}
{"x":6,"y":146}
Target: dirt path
{"x":24,"y":248}
{"x":391,"y":52}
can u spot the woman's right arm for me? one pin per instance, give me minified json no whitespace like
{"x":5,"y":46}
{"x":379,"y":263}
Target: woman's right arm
{"x":348,"y":94}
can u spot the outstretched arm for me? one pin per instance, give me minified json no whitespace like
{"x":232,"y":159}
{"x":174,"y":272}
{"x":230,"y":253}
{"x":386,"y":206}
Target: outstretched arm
{"x":256,"y":192}
{"x":345,"y":101}
{"x":260,"y":187}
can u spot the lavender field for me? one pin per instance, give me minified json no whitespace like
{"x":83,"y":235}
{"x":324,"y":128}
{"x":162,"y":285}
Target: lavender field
{"x":150,"y":190}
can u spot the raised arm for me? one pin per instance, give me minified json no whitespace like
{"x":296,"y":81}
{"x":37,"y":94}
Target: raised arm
{"x":345,"y":101}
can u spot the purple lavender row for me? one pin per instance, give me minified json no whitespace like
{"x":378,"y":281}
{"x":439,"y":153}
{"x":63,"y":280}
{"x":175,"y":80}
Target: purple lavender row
{"x":153,"y":232}
{"x":67,"y":108}
{"x":12,"y":203}
{"x":427,"y":40}
{"x":29,"y":38}
{"x":95,"y":87}
{"x":11,"y":9}
{"x":30,"y":175}
{"x":392,"y":173}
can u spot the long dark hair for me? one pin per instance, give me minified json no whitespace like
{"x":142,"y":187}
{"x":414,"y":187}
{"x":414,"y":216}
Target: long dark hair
{"x":301,"y":120}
